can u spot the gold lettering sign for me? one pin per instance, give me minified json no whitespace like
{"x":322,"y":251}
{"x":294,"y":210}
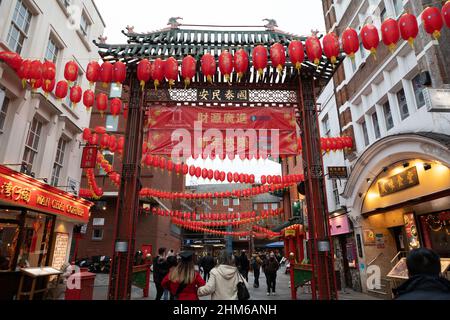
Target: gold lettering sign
{"x":58,"y":205}
{"x":399,"y":182}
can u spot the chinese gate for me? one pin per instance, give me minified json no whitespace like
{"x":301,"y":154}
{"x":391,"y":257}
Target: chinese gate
{"x":293,"y":90}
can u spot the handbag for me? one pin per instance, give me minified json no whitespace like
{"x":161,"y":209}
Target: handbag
{"x":242,"y":290}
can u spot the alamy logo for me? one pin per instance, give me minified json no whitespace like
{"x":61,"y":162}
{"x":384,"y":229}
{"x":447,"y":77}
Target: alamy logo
{"x":374,"y":277}
{"x":74,"y":280}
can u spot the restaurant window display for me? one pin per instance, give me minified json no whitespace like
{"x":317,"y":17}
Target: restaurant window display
{"x":436,"y":232}
{"x":9,"y":231}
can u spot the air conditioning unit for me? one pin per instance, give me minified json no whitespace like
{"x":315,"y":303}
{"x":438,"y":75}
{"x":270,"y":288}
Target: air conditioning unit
{"x":437,"y":100}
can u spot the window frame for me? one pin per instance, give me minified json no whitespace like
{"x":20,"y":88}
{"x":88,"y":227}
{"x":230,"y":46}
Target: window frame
{"x":418,"y":90}
{"x":54,"y":53}
{"x":335,"y":190}
{"x":115,"y":119}
{"x":106,"y":154}
{"x":326,"y":125}
{"x":100,"y":238}
{"x":365,"y":132}
{"x":376,"y":125}
{"x":227,"y":201}
{"x":402,"y":106}
{"x":388,"y":120}
{"x":234,"y":202}
{"x":21,"y":32}
{"x":4,"y":111}
{"x":58,"y":164}
{"x":32,"y":149}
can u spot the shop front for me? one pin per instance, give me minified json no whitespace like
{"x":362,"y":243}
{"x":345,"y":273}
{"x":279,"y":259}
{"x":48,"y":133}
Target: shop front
{"x":398,"y":199}
{"x":36,"y":226}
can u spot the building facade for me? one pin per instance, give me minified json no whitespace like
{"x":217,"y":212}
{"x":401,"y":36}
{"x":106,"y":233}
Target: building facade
{"x":397,"y":194}
{"x":39,"y":135}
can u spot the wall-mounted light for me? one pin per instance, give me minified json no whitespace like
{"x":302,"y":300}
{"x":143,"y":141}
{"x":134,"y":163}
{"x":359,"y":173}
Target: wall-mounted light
{"x":385,"y":169}
{"x":360,"y":194}
{"x":406,"y":165}
{"x":426,"y":166}
{"x":104,"y":208}
{"x":369,"y":181}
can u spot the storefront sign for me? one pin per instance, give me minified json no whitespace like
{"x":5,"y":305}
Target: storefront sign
{"x":89,"y":157}
{"x":222,"y":95}
{"x":379,"y":240}
{"x":199,"y":242}
{"x":17,"y":189}
{"x":60,"y":251}
{"x":337,"y":173}
{"x":339,"y":225}
{"x":369,"y":237}
{"x":399,"y":182}
{"x":289,"y":233}
{"x":412,"y":235}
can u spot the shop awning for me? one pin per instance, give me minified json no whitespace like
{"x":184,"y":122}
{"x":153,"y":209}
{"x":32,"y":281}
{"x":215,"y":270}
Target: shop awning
{"x":279,"y":244}
{"x":22,"y":191}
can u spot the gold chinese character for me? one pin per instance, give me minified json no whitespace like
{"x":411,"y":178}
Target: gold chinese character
{"x":204,"y":94}
{"x":17,"y":192}
{"x":7,"y":189}
{"x":203,"y":117}
{"x":400,"y":181}
{"x":242,"y":118}
{"x":410,"y":177}
{"x":228,"y":118}
{"x":229,"y":95}
{"x":242,"y":95}
{"x":216,"y":95}
{"x":25,"y":195}
{"x":383,"y":188}
{"x":391,"y":184}
{"x":216,"y":118}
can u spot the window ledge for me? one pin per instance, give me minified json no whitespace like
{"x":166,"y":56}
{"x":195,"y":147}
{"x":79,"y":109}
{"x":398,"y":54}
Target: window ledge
{"x":84,"y":39}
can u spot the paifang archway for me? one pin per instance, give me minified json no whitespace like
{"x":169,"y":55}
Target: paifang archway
{"x":271,"y":90}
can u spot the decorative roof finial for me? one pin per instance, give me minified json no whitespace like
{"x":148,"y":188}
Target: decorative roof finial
{"x":271,"y":24}
{"x":315,"y":32}
{"x":130,"y":29}
{"x":173,"y":22}
{"x":102,"y":39}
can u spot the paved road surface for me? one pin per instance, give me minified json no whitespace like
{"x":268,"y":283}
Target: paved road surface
{"x":283,"y":291}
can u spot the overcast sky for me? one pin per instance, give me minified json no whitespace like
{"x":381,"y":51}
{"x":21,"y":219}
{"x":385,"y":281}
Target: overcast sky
{"x":293,"y":16}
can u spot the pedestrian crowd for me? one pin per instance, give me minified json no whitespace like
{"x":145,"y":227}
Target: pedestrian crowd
{"x":176,"y":277}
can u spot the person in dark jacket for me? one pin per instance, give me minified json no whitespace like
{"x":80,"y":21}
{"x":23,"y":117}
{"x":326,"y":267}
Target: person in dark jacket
{"x":425,"y":282}
{"x":207,"y":264}
{"x":270,"y":268}
{"x":243,"y":265}
{"x":160,"y":270}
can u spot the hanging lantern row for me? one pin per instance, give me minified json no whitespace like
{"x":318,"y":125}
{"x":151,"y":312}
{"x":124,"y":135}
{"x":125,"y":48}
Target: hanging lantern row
{"x":216,"y":218}
{"x":331,"y":144}
{"x":107,"y":167}
{"x":266,"y":231}
{"x":96,"y":191}
{"x":239,"y":234}
{"x":251,"y":192}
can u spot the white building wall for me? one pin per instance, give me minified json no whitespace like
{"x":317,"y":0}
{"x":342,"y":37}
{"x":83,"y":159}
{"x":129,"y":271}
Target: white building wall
{"x":50,"y":20}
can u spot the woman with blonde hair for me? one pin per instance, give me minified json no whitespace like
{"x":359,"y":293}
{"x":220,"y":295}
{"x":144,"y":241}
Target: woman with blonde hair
{"x":183,"y":281}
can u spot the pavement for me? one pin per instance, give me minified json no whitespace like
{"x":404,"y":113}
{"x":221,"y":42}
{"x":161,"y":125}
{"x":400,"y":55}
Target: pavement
{"x":282,"y":286}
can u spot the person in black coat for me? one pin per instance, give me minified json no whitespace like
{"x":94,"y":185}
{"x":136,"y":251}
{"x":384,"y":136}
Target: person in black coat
{"x":425,"y":282}
{"x":207,"y":265}
{"x":160,"y":270}
{"x":243,"y":265}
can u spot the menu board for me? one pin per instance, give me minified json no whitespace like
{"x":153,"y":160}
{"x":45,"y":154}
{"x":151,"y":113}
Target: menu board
{"x":400,"y":271}
{"x":411,"y":231}
{"x":60,"y":250}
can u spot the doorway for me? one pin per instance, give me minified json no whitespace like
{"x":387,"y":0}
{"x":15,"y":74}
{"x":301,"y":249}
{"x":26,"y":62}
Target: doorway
{"x":399,"y":237}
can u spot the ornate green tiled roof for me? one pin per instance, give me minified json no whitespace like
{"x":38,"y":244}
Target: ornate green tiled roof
{"x":177,"y":43}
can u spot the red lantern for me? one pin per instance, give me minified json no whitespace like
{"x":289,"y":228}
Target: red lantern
{"x":236,"y":177}
{"x":252,"y":178}
{"x":120,"y":143}
{"x":106,"y":73}
{"x":296,"y":53}
{"x":331,"y":47}
{"x":260,"y":58}
{"x":314,"y":49}
{"x":37,"y":84}
{"x":93,"y":72}
{"x":446,"y":13}
{"x":198,"y":172}
{"x":222,"y":176}
{"x":24,"y":71}
{"x":71,"y":71}
{"x":48,"y":71}
{"x":158,"y":72}
{"x":171,"y":71}
{"x":115,"y":106}
{"x":100,"y":130}
{"x":433,"y":21}
{"x":119,"y":72}
{"x":144,"y":72}
{"x":409,"y":28}
{"x":263,"y":179}
{"x":240,"y":63}
{"x":13,"y":59}
{"x":208,"y":66}
{"x":87,"y":134}
{"x":370,"y":38}
{"x":61,"y":90}
{"x":390,"y":32}
{"x":88,"y":99}
{"x":104,"y":141}
{"x":75,"y":95}
{"x":48,"y":87}
{"x":93,"y":140}
{"x":101,"y":103}
{"x":278,"y":56}
{"x":226,"y":64}
{"x":35,"y":71}
{"x":188,"y":67}
{"x":112,"y":144}
{"x":350,"y":42}
{"x":230,"y":177}
{"x":210,"y":174}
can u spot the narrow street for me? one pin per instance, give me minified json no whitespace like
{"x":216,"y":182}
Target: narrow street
{"x":283,"y":290}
